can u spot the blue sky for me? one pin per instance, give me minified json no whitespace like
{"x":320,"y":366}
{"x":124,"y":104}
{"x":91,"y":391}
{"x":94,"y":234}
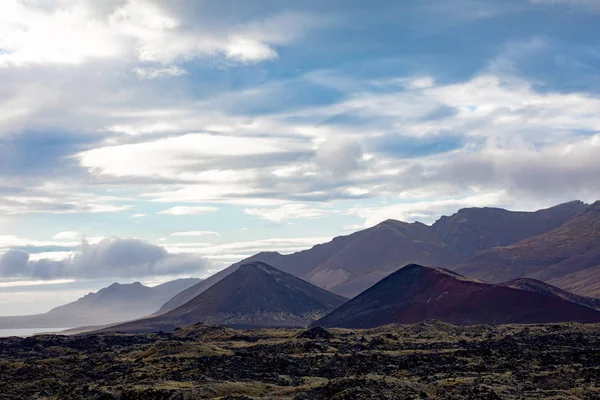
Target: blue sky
{"x":143,"y":139}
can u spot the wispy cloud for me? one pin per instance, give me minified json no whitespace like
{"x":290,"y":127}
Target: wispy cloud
{"x":195,"y":233}
{"x":189,"y":210}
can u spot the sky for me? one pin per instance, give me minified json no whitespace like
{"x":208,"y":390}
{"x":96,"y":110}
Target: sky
{"x":148,"y":140}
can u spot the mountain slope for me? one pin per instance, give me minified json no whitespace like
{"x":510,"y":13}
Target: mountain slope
{"x":585,"y":282}
{"x":568,"y":249}
{"x":472,"y":230}
{"x":535,"y":286}
{"x":416,"y":293}
{"x":111,"y":304}
{"x":255,"y":295}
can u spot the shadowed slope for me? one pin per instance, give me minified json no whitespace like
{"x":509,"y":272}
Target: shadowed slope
{"x":416,"y":293}
{"x":539,"y":287}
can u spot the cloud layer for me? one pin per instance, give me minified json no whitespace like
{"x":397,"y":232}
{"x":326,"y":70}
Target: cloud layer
{"x":109,"y":258}
{"x":175,"y":120}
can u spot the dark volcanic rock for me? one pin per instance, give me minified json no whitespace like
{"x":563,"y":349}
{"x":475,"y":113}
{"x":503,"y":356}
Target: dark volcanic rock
{"x":315,"y":333}
{"x":430,"y":360}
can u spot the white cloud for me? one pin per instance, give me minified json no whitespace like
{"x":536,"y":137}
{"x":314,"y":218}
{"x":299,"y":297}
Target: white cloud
{"x":424,"y":211}
{"x":195,"y":233}
{"x":68,"y":235}
{"x":20,"y":283}
{"x":181,"y":156}
{"x":72,"y":32}
{"x":228,"y":253}
{"x":152,"y":73}
{"x":69,"y":35}
{"x":138,"y":215}
{"x":289,"y":212}
{"x":248,"y":50}
{"x":110,"y":258}
{"x":189,"y":210}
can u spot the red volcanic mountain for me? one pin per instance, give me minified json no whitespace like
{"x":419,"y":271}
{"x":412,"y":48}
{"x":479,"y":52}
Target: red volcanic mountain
{"x":416,"y":293}
{"x":256,"y":295}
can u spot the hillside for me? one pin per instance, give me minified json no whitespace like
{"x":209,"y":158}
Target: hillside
{"x":416,"y":293}
{"x":535,"y":286}
{"x":472,"y":230}
{"x":255,"y":295}
{"x":551,"y":257}
{"x":115,"y":303}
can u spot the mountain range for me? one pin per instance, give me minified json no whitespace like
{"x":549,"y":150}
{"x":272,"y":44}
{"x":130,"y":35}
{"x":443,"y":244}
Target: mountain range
{"x":416,"y":293}
{"x":255,"y":295}
{"x":567,"y":257}
{"x":552,"y":254}
{"x":349,"y":264}
{"x":115,"y":303}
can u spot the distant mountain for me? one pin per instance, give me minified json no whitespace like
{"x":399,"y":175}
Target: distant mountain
{"x":255,"y":295}
{"x":348,"y":265}
{"x":416,"y":293}
{"x":111,"y":304}
{"x":565,"y":257}
{"x":535,"y":286}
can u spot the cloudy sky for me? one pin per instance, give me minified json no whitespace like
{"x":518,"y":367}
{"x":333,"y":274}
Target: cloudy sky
{"x":145,"y":139}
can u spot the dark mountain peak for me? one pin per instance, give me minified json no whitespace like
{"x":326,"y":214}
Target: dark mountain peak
{"x":525,"y":281}
{"x":267,"y":254}
{"x":258,"y":266}
{"x":390,"y":222}
{"x":416,"y":269}
{"x":594,"y":207}
{"x":395,"y":224}
{"x":569,"y":204}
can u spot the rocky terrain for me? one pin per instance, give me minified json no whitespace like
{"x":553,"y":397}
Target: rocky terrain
{"x":429,"y":360}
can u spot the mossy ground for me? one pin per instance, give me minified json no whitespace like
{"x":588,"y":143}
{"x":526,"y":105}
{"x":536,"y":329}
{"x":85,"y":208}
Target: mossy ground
{"x":428,"y":360}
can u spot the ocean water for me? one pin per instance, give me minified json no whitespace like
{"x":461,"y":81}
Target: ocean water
{"x":28,"y":332}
